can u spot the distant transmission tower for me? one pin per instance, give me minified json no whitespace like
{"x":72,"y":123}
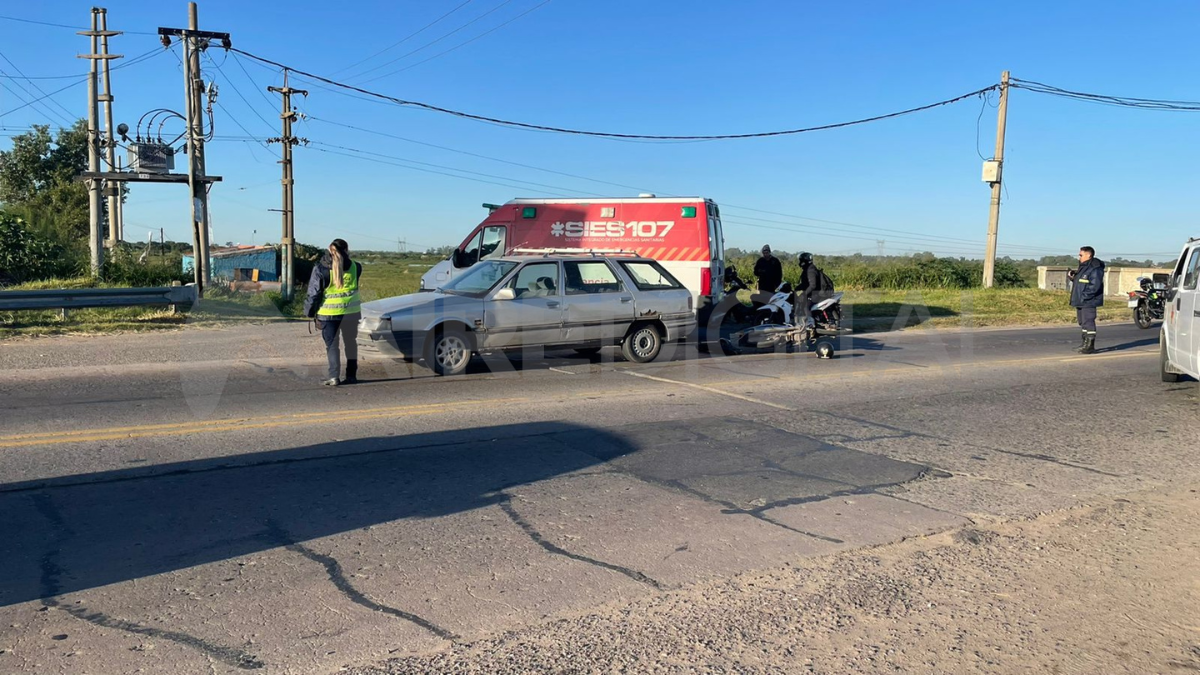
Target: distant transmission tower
{"x":882,"y":246}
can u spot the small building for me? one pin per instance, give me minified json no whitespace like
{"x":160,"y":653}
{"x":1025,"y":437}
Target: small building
{"x":239,"y":263}
{"x":1117,"y":280}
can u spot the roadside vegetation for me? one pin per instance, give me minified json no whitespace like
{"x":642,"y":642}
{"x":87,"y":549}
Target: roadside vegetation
{"x":44,"y":229}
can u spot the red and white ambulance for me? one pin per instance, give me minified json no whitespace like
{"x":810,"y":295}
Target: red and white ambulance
{"x":682,"y":233}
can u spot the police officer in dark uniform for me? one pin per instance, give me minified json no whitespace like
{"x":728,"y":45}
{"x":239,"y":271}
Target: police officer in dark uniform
{"x":1087,"y":294}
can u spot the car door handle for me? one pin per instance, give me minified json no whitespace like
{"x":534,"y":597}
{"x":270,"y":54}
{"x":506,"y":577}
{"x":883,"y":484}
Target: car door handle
{"x":626,"y":299}
{"x":552,"y":304}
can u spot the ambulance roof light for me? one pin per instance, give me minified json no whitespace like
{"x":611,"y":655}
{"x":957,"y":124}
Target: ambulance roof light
{"x":647,"y":195}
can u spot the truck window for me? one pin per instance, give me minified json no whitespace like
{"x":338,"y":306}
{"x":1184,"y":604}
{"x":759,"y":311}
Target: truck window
{"x":591,"y":277}
{"x":1192,"y":276}
{"x":470,"y":252}
{"x":493,"y":242}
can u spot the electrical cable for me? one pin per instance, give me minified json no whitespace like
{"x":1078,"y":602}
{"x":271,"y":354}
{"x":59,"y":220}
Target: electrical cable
{"x":241,"y":96}
{"x":1105,"y":99}
{"x":405,"y":39}
{"x":32,"y":84}
{"x":464,"y":44}
{"x":56,"y":91}
{"x":428,"y":44}
{"x":63,"y":25}
{"x":602,"y":134}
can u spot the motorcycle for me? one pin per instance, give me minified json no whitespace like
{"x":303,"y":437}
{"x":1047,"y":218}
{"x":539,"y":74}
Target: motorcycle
{"x":777,"y":324}
{"x":1148,"y":302}
{"x":737,"y":313}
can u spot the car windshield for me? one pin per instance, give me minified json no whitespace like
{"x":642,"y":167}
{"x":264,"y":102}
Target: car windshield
{"x":481,"y":277}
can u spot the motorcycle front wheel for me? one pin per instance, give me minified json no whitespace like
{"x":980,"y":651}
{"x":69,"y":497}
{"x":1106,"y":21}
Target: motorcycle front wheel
{"x":1141,"y":316}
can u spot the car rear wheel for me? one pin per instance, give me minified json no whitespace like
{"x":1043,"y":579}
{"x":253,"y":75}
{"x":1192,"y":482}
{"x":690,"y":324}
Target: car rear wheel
{"x":1165,"y":363}
{"x":642,"y":344}
{"x":449,"y":352}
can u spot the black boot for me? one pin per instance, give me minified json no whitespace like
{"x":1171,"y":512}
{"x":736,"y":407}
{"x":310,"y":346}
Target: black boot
{"x":1089,"y":344}
{"x":1082,"y":342}
{"x":351,"y":372}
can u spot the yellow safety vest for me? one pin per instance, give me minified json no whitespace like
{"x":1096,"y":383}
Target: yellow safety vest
{"x":344,"y":300}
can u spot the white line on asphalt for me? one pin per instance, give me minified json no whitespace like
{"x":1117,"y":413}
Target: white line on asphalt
{"x":560,"y":370}
{"x":711,"y":390}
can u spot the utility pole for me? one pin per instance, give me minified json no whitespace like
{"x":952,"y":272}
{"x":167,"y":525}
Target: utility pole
{"x":288,"y":241}
{"x":95,"y":202}
{"x":116,"y":229}
{"x":989,"y":260}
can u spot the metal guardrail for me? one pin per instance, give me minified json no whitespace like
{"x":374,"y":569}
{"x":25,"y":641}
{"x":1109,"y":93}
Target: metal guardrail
{"x":80,"y":298}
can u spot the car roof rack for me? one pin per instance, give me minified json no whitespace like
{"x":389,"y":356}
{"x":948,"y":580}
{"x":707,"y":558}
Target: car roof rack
{"x":592,"y":252}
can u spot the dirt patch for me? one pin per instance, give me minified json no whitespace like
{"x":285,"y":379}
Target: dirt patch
{"x":1108,"y":588}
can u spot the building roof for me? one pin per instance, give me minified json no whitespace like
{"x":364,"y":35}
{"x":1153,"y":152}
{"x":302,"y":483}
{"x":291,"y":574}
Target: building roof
{"x":233,"y":251}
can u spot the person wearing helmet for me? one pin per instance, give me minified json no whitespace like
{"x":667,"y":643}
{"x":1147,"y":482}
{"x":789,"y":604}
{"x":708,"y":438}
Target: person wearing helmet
{"x":769,"y":271}
{"x":815,"y":286}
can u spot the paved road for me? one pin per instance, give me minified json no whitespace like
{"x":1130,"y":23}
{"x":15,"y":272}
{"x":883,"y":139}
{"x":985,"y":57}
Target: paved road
{"x":197,"y":499}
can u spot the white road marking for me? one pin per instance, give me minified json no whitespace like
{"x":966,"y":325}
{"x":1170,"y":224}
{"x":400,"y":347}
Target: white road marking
{"x":711,"y":390}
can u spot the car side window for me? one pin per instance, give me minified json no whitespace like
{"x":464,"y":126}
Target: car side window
{"x":1192,"y":275}
{"x":591,"y":277}
{"x":537,"y":280}
{"x":650,"y":276}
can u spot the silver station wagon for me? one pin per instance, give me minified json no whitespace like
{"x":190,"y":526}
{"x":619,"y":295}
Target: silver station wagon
{"x":552,"y":300}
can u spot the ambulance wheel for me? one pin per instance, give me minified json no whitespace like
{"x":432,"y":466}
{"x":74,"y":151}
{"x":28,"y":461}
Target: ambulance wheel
{"x":824,"y":349}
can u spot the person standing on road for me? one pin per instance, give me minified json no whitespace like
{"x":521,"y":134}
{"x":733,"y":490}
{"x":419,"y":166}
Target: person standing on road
{"x":814,"y":285}
{"x":1087,"y":293}
{"x":769,"y":271}
{"x":334,"y":302}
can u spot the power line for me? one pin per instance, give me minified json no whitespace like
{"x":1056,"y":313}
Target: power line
{"x":464,"y":44}
{"x":36,"y":100}
{"x":406,"y":38}
{"x":429,"y":44}
{"x":603,"y":134}
{"x":63,"y":25}
{"x":1105,"y":99}
{"x":241,"y":96}
{"x":32,"y":84}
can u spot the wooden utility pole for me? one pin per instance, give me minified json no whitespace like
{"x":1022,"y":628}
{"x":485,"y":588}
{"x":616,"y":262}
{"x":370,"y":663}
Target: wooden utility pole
{"x":195,"y":148}
{"x":288,"y":241}
{"x":989,"y":261}
{"x":116,"y":230}
{"x":194,"y":41}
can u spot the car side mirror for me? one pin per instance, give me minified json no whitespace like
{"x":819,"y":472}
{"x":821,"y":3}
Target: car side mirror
{"x":456,"y":258}
{"x":505,"y":294}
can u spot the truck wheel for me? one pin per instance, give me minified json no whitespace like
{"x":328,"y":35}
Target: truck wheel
{"x":1165,"y":364}
{"x":642,"y":344}
{"x":449,"y":352}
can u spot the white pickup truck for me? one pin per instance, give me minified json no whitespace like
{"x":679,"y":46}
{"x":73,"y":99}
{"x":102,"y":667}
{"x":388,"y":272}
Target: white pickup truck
{"x":1181,"y":323}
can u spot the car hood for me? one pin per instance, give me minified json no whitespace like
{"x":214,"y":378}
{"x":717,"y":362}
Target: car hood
{"x":415,"y":302}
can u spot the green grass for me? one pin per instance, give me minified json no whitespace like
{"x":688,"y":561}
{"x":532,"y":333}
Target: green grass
{"x":869,"y":309}
{"x":381,"y":279}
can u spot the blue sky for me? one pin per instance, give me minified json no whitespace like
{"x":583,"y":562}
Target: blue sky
{"x":1124,"y":181}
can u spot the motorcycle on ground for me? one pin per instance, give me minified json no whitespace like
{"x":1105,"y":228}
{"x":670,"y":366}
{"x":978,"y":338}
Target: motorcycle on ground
{"x":777,"y":323}
{"x":1148,"y":302}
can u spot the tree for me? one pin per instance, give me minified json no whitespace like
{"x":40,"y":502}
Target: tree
{"x":37,"y":181}
{"x":26,"y":256}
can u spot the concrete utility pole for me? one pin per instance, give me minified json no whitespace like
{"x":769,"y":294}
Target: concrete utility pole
{"x":288,"y":241}
{"x":989,"y":261}
{"x":95,"y":202}
{"x":116,"y":228}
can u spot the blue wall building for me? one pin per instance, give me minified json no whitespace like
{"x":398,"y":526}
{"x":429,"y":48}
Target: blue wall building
{"x":240,"y":263}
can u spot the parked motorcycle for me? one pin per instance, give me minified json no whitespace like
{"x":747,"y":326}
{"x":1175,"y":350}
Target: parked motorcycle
{"x":737,"y":313}
{"x":1148,"y":302}
{"x":777,"y":324}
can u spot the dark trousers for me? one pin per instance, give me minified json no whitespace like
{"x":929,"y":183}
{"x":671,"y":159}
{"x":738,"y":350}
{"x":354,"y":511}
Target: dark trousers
{"x":1087,"y":319}
{"x":331,"y":327}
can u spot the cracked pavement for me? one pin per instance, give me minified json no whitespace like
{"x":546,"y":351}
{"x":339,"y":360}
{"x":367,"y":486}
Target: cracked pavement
{"x":197,"y":502}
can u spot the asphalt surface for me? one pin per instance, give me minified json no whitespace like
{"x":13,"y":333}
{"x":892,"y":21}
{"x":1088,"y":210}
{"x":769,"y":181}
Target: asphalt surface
{"x":196,"y":502}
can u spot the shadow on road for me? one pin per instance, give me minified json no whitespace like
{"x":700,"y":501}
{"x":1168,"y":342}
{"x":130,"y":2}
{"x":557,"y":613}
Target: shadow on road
{"x":114,"y":526}
{"x":1145,"y":342}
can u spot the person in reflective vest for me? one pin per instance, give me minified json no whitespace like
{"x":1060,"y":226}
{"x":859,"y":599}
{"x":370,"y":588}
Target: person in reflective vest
{"x":334,"y":302}
{"x":1087,"y":294}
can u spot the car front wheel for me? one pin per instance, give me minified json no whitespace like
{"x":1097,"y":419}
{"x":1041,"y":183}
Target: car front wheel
{"x":449,"y":352}
{"x":1165,"y":363}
